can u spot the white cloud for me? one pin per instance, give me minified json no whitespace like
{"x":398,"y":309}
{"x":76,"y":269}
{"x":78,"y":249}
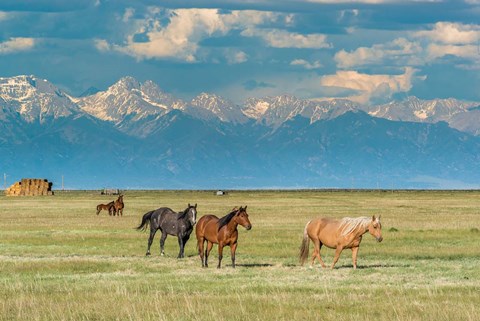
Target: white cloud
{"x":283,"y":39}
{"x":235,"y":56}
{"x":16,"y":44}
{"x":471,"y":52}
{"x":451,"y":33}
{"x":102,"y":45}
{"x":399,"y":51}
{"x":129,"y":12}
{"x":305,"y":64}
{"x":186,"y":28}
{"x":370,"y":86}
{"x":417,"y":48}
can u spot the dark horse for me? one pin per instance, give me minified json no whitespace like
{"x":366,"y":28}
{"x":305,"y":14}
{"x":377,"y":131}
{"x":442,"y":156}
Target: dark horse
{"x":110,"y":208}
{"x":119,"y":205}
{"x":169,"y":222}
{"x":221,"y":231}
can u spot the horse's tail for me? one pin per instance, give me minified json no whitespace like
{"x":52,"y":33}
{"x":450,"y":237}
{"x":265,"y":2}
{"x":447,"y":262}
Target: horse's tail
{"x":305,"y":245}
{"x":145,"y":221}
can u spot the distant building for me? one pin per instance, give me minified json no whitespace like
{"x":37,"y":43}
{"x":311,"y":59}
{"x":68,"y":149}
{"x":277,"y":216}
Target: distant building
{"x":110,"y":191}
{"x":220,"y":192}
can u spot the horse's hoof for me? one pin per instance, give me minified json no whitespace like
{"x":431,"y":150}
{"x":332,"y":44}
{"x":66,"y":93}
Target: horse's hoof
{"x":147,"y":254}
{"x":162,"y":254}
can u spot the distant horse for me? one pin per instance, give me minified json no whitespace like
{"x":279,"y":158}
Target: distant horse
{"x":119,"y":205}
{"x":221,"y":231}
{"x":110,"y":208}
{"x":170,"y":223}
{"x":338,"y":234}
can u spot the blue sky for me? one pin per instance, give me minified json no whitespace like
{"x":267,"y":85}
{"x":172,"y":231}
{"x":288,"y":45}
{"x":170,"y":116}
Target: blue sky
{"x":369,"y":51}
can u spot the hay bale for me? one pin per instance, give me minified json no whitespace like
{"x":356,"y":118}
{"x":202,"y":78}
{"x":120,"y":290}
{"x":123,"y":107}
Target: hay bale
{"x":30,"y":187}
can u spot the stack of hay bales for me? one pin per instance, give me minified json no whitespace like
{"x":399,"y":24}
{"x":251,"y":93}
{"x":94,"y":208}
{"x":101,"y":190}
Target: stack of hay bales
{"x":30,"y":187}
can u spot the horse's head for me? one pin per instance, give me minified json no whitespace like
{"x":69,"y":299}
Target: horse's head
{"x":241,"y":217}
{"x":375,"y":228}
{"x":192,"y":213}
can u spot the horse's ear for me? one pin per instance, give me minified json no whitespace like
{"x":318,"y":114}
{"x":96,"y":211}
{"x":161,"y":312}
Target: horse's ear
{"x":195,"y":205}
{"x":373,"y":218}
{"x":241,"y":209}
{"x":245,"y":208}
{"x":188,"y":204}
{"x":379,"y":216}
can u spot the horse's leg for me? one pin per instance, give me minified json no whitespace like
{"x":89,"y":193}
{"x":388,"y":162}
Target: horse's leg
{"x":233,"y":248}
{"x":181,"y":245}
{"x":162,"y":242}
{"x":220,"y":255}
{"x":337,"y":255}
{"x":317,"y":245}
{"x":184,"y":242}
{"x":207,"y":252}
{"x":150,"y":239}
{"x":200,"y":245}
{"x":354,"y":256}
{"x":319,"y":256}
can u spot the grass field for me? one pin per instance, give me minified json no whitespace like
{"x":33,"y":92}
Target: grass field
{"x":60,"y":261}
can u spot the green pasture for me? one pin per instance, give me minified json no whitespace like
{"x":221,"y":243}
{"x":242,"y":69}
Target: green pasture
{"x":60,"y":261}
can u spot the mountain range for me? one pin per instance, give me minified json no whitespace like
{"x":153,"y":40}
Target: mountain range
{"x":135,"y":135}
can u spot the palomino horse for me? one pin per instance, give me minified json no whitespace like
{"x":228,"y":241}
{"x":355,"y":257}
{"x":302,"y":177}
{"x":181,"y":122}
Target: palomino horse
{"x":110,"y":208}
{"x":338,"y":234}
{"x":119,"y":205}
{"x":221,"y":231}
{"x":170,"y":222}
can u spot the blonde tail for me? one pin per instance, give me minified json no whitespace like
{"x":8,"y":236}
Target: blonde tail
{"x":305,"y":245}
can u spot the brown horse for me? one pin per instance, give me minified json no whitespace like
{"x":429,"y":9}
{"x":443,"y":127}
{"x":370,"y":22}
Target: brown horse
{"x":119,"y":205}
{"x":110,"y":208}
{"x":221,"y":231}
{"x":338,"y":234}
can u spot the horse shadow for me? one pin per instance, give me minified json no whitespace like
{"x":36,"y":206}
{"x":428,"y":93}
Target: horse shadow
{"x":372,"y":266}
{"x":252,"y":265}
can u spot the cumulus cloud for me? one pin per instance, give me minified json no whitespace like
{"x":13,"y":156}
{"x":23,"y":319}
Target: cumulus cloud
{"x":470,"y":52}
{"x":398,"y":51}
{"x":451,"y":33}
{"x":417,"y":48}
{"x":102,"y":45}
{"x":305,"y":64}
{"x":235,"y":56}
{"x":370,"y":86}
{"x":177,"y":33}
{"x":16,"y":44}
{"x":283,"y":39}
{"x":129,"y":12}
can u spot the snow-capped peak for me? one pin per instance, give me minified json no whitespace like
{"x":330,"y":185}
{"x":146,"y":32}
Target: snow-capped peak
{"x":208,"y":106}
{"x":129,"y":98}
{"x":35,"y":99}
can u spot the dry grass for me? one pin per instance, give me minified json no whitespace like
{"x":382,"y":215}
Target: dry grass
{"x":60,"y":261}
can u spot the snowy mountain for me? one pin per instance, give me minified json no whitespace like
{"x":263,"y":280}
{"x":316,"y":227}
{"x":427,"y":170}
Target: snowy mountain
{"x":274,"y":111}
{"x":34,"y":99}
{"x":211,"y":106}
{"x":417,"y":110}
{"x":134,"y":134}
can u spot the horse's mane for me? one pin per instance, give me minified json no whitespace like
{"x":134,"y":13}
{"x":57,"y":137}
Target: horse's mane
{"x":226,"y":219}
{"x":349,"y":224}
{"x":181,"y":215}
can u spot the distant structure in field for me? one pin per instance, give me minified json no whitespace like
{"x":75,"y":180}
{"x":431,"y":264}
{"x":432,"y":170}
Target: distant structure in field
{"x":110,"y":191}
{"x":220,"y":193}
{"x":30,"y":187}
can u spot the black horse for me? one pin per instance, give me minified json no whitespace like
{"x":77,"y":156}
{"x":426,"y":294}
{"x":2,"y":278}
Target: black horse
{"x":169,"y":222}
